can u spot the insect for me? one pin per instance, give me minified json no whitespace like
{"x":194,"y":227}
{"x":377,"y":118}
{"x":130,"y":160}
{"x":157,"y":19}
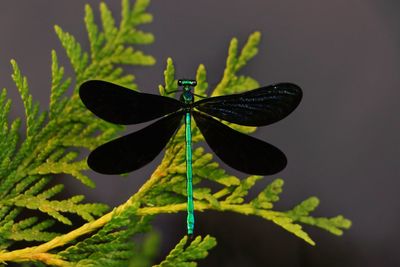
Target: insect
{"x":119,"y":105}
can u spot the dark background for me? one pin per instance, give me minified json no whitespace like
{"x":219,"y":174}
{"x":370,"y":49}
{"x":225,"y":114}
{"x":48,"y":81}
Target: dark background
{"x":342,"y":142}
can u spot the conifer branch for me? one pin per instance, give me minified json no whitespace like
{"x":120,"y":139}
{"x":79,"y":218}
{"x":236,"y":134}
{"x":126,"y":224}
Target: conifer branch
{"x":26,"y":169}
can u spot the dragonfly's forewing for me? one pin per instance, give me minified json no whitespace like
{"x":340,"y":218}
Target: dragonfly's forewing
{"x":120,"y":105}
{"x":257,"y":107}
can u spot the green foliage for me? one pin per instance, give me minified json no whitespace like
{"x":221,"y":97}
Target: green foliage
{"x":51,"y":146}
{"x":230,"y":82}
{"x":171,"y":84}
{"x":183,"y":254}
{"x":27,"y":166}
{"x":111,"y":245}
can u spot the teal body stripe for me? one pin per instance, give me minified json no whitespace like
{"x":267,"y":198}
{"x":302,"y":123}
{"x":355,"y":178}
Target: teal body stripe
{"x":189,"y":186}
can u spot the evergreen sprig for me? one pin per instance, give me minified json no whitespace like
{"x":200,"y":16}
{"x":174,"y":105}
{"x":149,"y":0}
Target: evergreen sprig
{"x":28,"y":165}
{"x":184,"y":253}
{"x":111,"y":245}
{"x":53,"y":137}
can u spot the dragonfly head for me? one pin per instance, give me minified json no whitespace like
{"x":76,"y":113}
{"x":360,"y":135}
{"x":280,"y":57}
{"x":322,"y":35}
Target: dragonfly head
{"x":187,"y":83}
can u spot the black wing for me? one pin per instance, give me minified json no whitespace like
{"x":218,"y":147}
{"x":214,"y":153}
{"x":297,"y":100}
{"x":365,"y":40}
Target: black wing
{"x":134,"y":150}
{"x":258,"y":107}
{"x":120,"y":105}
{"x":240,"y":151}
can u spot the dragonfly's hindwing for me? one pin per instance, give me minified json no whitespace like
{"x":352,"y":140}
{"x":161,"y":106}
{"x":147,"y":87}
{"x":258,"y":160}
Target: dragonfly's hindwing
{"x":240,"y":151}
{"x":134,"y":150}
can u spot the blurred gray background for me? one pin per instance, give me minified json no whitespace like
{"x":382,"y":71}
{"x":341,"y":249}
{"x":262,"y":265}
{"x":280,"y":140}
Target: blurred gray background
{"x":342,"y":142}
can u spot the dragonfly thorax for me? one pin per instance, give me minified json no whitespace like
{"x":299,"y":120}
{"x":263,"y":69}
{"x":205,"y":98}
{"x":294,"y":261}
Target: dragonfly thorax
{"x":187,"y":96}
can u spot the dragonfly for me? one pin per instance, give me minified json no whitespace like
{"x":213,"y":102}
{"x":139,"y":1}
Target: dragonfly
{"x":120,"y":105}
